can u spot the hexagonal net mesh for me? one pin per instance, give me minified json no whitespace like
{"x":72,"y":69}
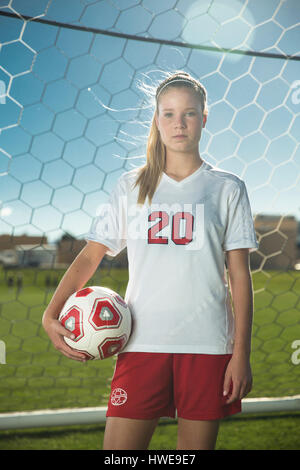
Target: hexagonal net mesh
{"x":73,"y":118}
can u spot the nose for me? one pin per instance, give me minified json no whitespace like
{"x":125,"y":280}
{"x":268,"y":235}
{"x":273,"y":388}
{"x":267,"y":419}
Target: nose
{"x":180,"y":122}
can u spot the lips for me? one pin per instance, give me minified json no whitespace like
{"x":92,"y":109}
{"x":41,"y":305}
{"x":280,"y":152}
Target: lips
{"x":180,"y":136}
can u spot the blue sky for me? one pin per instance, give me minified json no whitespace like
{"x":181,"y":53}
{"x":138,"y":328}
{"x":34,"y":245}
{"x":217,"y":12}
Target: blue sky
{"x":73,"y":118}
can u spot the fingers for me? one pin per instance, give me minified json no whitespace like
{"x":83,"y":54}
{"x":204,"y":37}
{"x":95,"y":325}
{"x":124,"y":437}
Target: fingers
{"x":237,"y":381}
{"x":227,"y":383}
{"x":61,"y":330}
{"x":69,"y":352}
{"x":234,"y":395}
{"x":57,"y":332}
{"x":239,"y":391}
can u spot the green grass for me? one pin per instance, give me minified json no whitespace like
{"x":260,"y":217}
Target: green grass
{"x":275,"y":432}
{"x":36,"y":376}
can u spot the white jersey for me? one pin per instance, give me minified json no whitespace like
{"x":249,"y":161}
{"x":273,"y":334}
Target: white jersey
{"x":177,"y":289}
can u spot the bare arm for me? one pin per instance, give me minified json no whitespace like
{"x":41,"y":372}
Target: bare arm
{"x":78,"y":274}
{"x":239,"y":370}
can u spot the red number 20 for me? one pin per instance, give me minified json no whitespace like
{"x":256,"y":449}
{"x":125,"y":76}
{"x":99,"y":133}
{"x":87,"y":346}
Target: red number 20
{"x":153,"y":232}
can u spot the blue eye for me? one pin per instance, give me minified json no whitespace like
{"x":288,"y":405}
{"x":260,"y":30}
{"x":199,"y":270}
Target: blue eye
{"x":189,"y":113}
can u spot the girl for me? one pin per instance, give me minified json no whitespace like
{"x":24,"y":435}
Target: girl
{"x":181,"y":219}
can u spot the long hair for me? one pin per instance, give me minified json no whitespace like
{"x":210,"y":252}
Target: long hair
{"x":149,"y":175}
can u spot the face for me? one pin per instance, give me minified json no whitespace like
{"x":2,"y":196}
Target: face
{"x":180,"y":119}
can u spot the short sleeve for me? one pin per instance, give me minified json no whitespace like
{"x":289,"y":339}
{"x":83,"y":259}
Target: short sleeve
{"x":239,"y":232}
{"x":109,"y":226}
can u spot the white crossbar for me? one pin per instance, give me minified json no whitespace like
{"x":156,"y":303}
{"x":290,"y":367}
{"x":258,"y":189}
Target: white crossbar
{"x":97,"y":415}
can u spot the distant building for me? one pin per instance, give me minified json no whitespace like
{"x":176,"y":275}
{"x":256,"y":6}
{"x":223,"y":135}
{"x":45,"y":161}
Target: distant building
{"x":278,"y":236}
{"x":42,"y":256}
{"x":68,"y":248}
{"x":10,"y":241}
{"x":8,"y":258}
{"x":24,"y":251}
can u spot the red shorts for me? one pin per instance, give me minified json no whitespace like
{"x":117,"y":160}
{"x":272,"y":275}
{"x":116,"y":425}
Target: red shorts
{"x":153,"y":385}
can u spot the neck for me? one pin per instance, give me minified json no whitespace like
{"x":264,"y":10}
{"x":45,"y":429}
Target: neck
{"x":182,"y":166}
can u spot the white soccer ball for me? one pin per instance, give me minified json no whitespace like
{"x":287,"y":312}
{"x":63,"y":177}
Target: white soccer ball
{"x":100,"y":320}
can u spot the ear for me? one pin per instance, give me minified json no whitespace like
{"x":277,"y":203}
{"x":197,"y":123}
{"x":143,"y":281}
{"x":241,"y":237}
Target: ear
{"x":204,"y":120}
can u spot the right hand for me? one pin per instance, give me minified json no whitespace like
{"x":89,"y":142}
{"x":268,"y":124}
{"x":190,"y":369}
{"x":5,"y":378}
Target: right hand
{"x":56,"y":332}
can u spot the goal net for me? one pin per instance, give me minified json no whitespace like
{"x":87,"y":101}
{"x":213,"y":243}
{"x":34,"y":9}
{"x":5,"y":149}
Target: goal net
{"x":73,"y":119}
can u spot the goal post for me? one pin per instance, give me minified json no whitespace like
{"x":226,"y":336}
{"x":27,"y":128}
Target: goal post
{"x":97,"y":415}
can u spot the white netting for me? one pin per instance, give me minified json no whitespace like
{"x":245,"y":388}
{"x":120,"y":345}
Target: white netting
{"x":72,"y":118}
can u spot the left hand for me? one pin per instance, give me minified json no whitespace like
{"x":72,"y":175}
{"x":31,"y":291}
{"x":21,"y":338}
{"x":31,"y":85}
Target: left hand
{"x":238,"y":373}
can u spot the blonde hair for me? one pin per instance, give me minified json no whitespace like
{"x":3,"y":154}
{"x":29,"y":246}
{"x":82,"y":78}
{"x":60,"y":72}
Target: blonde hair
{"x":149,"y":175}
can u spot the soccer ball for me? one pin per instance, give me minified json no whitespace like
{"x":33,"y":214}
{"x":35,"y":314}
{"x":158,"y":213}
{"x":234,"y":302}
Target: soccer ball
{"x":100,"y":320}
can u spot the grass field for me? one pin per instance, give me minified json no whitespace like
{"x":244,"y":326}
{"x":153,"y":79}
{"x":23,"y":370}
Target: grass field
{"x":275,"y":432}
{"x":36,"y":376}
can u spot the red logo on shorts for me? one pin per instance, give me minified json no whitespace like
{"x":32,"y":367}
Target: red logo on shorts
{"x":118,"y":397}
